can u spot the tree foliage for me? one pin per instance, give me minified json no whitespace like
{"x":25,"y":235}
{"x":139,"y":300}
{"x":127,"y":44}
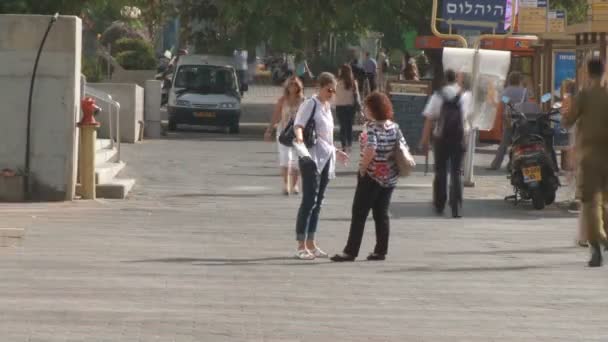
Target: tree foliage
{"x":576,"y":9}
{"x":287,"y":25}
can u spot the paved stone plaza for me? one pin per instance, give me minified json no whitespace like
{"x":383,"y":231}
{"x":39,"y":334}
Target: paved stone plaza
{"x":202,"y":250}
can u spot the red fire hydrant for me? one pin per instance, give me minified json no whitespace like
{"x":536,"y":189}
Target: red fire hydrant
{"x":86,"y":159}
{"x":89,"y":111}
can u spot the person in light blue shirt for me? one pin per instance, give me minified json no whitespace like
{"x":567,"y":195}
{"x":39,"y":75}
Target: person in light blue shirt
{"x":371,"y":71}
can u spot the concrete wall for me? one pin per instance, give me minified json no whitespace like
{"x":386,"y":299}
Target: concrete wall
{"x":138,"y":77}
{"x":131,"y":99}
{"x":56,"y":101}
{"x":152,"y":102}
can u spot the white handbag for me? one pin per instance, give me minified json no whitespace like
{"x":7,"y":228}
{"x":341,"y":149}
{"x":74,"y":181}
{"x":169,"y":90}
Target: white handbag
{"x":404,"y":159}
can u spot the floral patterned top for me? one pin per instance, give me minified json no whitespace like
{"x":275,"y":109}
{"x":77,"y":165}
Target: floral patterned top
{"x":383,"y":137}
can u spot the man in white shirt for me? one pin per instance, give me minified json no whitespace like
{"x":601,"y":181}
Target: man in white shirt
{"x":447,"y":153}
{"x":240,"y":64}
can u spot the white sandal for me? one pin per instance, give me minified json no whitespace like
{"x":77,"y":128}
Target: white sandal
{"x":304,"y":254}
{"x":319,"y":253}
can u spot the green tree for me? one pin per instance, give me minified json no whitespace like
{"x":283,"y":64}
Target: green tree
{"x":71,"y":7}
{"x":576,"y":9}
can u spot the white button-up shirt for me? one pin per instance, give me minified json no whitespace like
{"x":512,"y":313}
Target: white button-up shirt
{"x":324,"y":151}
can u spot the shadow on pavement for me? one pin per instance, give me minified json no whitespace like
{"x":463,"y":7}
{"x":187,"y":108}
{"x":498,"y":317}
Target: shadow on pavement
{"x":480,"y":171}
{"x":230,"y":261}
{"x":545,"y":250}
{"x":480,"y":208}
{"x":425,"y":269}
{"x":252,"y":175}
{"x":212,"y":135}
{"x":198,"y":195}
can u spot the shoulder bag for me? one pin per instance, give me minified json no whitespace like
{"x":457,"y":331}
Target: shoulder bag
{"x":288,"y":134}
{"x":404,"y":159}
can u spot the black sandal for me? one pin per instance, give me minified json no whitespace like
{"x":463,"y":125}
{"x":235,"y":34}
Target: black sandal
{"x":342,"y":258}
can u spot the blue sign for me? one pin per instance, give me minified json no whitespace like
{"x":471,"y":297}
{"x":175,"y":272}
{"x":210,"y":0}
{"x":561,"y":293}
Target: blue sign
{"x":564,"y":67}
{"x":491,"y":11}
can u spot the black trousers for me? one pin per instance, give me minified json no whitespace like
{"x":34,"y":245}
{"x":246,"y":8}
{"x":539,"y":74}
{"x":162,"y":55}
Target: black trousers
{"x":372,"y":81}
{"x":369,"y":196}
{"x":346,"y":118}
{"x":448,"y":162}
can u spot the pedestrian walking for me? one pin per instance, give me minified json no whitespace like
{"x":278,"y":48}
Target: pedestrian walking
{"x":517,"y":94}
{"x":588,"y":112}
{"x":348,"y":102}
{"x":383,"y":66}
{"x":285,"y":110}
{"x":317,"y":167}
{"x":241,"y":66}
{"x":447,"y":111}
{"x":409,"y":69}
{"x":370,"y":66}
{"x":359,"y":73}
{"x":567,"y":91}
{"x":376,"y":180}
{"x":302,"y":69}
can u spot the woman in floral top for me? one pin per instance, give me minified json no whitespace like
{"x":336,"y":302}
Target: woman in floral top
{"x":377,"y":178}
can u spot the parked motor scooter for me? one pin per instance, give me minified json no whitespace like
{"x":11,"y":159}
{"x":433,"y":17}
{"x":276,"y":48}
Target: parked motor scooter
{"x":533,"y":174}
{"x":281,"y":72}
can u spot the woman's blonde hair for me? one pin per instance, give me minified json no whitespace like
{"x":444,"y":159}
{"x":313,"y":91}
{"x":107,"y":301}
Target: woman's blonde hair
{"x":326,"y":78}
{"x":291,"y":81}
{"x":568,"y":87}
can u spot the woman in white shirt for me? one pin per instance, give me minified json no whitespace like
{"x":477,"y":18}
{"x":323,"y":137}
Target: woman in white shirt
{"x":317,"y":167}
{"x":285,"y":110}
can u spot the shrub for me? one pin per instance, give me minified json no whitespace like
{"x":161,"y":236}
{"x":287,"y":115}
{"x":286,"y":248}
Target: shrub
{"x":130,"y":44}
{"x":134,"y":54}
{"x":119,"y":30}
{"x":92,"y":69}
{"x":136,"y":60}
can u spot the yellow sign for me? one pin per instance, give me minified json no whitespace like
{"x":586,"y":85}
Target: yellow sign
{"x":557,"y":21}
{"x":410,"y":88}
{"x":533,"y":20}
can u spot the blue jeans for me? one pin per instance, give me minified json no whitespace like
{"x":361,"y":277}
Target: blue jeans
{"x":313,"y":192}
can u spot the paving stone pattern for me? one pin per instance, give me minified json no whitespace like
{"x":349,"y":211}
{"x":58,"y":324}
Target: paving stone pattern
{"x":201,"y":252}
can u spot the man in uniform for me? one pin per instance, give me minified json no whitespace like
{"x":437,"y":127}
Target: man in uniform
{"x":589,"y":112}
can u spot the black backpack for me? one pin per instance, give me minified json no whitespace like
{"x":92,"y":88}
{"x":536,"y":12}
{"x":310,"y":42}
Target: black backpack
{"x":451,"y":123}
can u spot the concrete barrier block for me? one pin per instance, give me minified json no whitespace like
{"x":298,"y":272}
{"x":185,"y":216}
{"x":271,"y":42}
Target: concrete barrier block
{"x":152,"y":96}
{"x":131,"y":99}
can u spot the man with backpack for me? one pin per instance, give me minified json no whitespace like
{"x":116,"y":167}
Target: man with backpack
{"x":446,"y":120}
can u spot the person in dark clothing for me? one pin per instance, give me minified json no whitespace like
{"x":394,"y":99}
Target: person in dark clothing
{"x":358,"y":72}
{"x":377,"y":178}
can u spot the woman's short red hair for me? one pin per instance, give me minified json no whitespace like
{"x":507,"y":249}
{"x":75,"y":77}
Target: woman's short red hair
{"x":380,"y":106}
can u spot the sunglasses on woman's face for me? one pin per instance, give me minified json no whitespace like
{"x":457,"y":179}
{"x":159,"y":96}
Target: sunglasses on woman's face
{"x":331,"y":90}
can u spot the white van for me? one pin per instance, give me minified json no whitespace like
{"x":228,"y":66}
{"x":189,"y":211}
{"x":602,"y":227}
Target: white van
{"x":205,"y":91}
